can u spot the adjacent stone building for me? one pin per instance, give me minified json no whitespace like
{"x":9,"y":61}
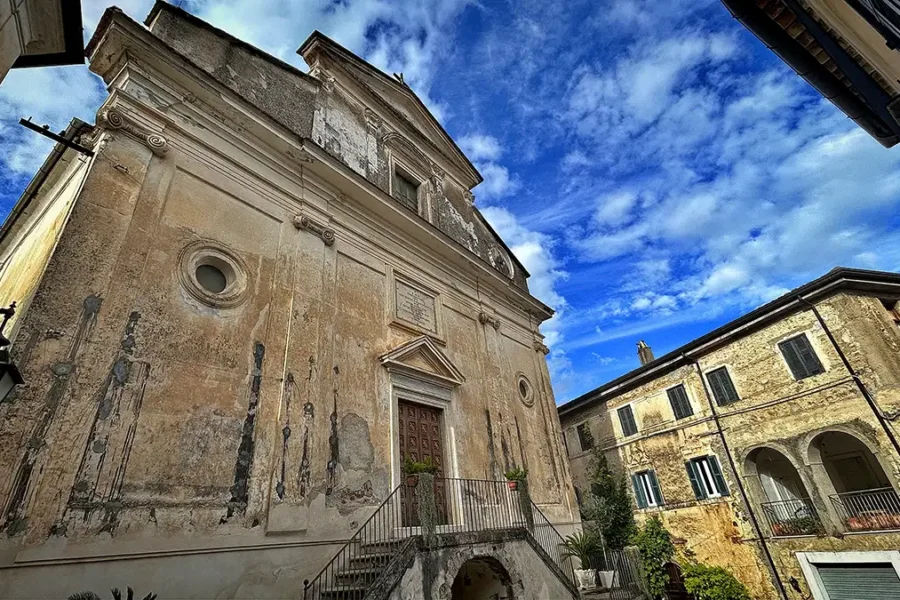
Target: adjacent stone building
{"x":769,"y":445}
{"x":254,"y":294}
{"x":849,"y":50}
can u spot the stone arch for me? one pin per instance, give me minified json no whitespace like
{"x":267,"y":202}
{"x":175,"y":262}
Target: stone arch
{"x":813,"y":455}
{"x":782,"y":490}
{"x":482,"y":577}
{"x":859,"y":486}
{"x":443,"y":586}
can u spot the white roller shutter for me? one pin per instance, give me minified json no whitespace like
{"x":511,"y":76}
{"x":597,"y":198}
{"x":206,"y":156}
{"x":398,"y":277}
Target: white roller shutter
{"x":861,"y":581}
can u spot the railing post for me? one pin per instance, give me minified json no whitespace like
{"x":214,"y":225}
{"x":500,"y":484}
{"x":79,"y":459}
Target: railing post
{"x":427,"y":508}
{"x":525,"y":504}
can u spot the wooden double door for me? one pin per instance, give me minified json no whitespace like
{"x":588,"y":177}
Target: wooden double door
{"x":421,"y":437}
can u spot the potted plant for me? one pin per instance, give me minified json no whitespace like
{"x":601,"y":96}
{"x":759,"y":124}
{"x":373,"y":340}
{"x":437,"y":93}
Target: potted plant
{"x":582,"y":545}
{"x":514,"y":476}
{"x":413,"y":468}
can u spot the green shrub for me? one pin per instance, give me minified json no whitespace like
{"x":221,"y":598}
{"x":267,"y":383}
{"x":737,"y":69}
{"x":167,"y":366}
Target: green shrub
{"x":411,"y":467}
{"x":516,"y":474}
{"x":582,"y":545}
{"x":656,"y":549}
{"x":607,"y":504}
{"x":713,"y":583}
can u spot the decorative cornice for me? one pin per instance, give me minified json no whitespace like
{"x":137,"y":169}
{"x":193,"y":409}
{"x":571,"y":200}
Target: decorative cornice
{"x":486,"y":319}
{"x":542,"y":348}
{"x":115,"y":119}
{"x":304,"y":222}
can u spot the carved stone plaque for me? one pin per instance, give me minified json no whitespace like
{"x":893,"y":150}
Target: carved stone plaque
{"x":415,"y":306}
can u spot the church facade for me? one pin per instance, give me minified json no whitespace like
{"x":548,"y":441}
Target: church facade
{"x":243,"y":301}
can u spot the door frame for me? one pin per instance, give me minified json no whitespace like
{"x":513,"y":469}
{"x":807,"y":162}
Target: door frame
{"x":419,"y":391}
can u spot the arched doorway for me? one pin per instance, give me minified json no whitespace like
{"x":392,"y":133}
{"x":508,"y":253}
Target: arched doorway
{"x":863,"y":498}
{"x":785,"y":500}
{"x":482,"y":578}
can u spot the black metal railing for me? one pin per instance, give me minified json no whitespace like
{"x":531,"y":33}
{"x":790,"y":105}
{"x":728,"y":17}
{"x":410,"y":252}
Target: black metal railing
{"x":869,"y":510}
{"x":792,"y":517}
{"x":465,"y":505}
{"x":359,"y":563}
{"x":461,"y":506}
{"x":619,"y":571}
{"x":548,"y":538}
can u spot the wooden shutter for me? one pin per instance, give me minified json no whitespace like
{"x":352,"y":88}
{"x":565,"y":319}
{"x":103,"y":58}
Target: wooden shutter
{"x":721,"y":486}
{"x":694,"y":476}
{"x":654,"y":485}
{"x":681,"y":406}
{"x":843,"y":581}
{"x":800,"y":357}
{"x":722,"y":386}
{"x":626,"y":420}
{"x":639,"y":495}
{"x":808,"y":356}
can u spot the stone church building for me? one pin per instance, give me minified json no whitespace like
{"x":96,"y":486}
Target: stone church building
{"x":244,"y":297}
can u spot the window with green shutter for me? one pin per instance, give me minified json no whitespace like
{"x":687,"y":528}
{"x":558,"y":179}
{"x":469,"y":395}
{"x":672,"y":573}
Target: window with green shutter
{"x":722,"y":387}
{"x":626,"y":420}
{"x":647,"y":493}
{"x":678,"y":398}
{"x":800,"y":357}
{"x":706,"y":477}
{"x":406,"y":192}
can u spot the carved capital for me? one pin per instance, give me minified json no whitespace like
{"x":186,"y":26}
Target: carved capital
{"x":304,"y":222}
{"x":542,"y":348}
{"x":470,"y":197}
{"x":114,"y":119}
{"x":486,"y":319}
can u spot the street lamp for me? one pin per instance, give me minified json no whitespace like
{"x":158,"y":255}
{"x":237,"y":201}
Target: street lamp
{"x":9,"y":373}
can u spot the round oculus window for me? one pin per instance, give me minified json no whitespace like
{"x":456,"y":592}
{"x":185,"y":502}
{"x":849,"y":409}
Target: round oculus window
{"x":211,"y":278}
{"x":526,"y":393}
{"x":213,"y":274}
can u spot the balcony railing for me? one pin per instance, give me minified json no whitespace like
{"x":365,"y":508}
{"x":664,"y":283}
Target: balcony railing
{"x":869,"y":510}
{"x":792,"y":517}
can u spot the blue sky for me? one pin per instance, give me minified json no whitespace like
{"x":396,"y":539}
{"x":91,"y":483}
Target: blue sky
{"x":657,"y":170}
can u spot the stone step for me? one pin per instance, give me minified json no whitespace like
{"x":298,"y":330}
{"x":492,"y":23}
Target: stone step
{"x":380,"y":546}
{"x":358,"y":572}
{"x":371,"y":558}
{"x":345,"y":592}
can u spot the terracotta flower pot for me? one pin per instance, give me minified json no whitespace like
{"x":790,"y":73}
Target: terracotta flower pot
{"x":412,"y":480}
{"x":512,"y":484}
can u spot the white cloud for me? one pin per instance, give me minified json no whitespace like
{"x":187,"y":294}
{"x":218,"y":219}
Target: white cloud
{"x":615,"y":209}
{"x":480,"y":147}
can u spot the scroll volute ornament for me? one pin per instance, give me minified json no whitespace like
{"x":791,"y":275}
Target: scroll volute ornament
{"x":117,"y":120}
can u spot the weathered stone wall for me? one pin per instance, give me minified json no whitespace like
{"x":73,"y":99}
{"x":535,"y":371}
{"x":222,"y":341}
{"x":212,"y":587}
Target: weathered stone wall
{"x":162,"y":420}
{"x":774,"y":411}
{"x":328,"y":108}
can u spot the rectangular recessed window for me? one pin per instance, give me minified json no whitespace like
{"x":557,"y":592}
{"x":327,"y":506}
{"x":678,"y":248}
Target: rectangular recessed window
{"x":800,"y":357}
{"x":646,"y":489}
{"x":706,"y":477}
{"x":406,"y":192}
{"x":626,"y":420}
{"x":722,"y":387}
{"x":584,"y":437}
{"x":678,"y":398}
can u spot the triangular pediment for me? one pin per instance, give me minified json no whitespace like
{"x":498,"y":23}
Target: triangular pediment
{"x":394,"y":95}
{"x":421,"y":358}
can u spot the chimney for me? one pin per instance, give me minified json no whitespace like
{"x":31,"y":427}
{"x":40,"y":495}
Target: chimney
{"x":644,"y":352}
